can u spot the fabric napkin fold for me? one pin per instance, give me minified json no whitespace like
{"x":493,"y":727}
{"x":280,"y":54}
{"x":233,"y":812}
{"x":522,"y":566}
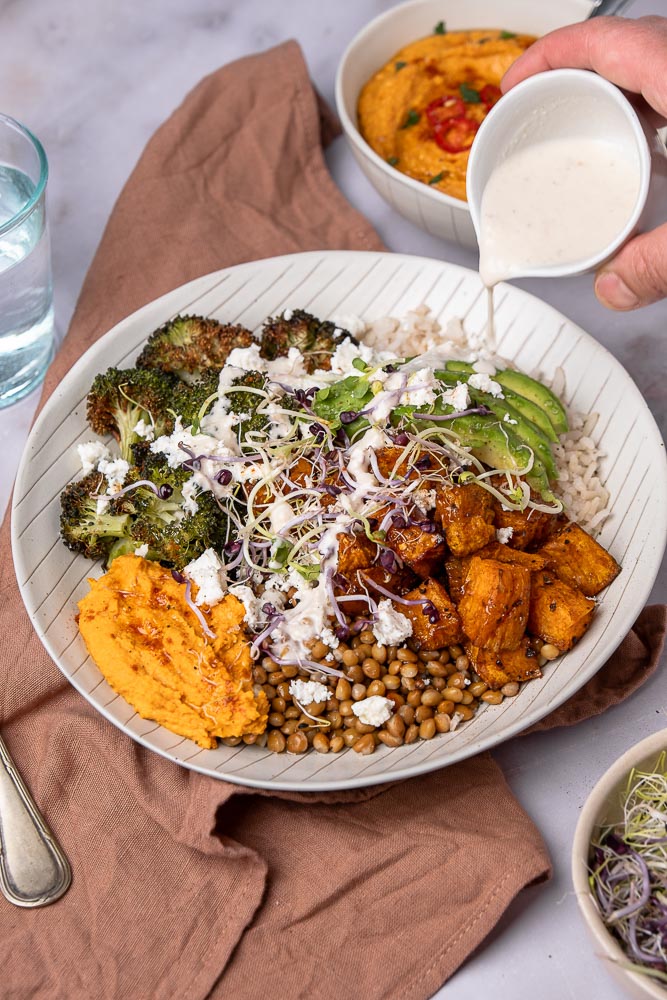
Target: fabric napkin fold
{"x":188,"y":887}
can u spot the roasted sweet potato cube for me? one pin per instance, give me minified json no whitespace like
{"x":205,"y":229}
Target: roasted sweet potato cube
{"x":529,"y":527}
{"x":503,"y":553}
{"x":495,"y":603}
{"x":559,"y":614}
{"x":392,"y":466}
{"x":437,"y":633}
{"x":457,"y":570}
{"x":579,"y":560}
{"x":423,"y":551}
{"x":355,"y":552}
{"x":507,"y":665}
{"x":466,"y":515}
{"x":361,"y":582}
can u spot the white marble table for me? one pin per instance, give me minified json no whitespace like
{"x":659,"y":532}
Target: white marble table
{"x":94,"y":81}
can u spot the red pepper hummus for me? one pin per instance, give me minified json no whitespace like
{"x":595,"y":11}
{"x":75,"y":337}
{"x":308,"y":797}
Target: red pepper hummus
{"x":421,"y":111}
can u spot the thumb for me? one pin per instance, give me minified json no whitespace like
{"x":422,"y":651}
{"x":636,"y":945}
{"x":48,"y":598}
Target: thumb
{"x":637,"y":275}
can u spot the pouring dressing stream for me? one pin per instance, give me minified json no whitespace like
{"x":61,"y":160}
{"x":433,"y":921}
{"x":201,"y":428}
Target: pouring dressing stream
{"x":557,"y":178}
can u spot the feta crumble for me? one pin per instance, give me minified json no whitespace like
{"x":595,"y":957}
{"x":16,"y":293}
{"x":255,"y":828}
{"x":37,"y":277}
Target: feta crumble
{"x":458,"y":397}
{"x":425,"y":500}
{"x":142,"y":550}
{"x":373,"y":711}
{"x":190,"y":490}
{"x":115,"y":473}
{"x":90,"y":454}
{"x":208,"y":573}
{"x":503,"y":535}
{"x":307,"y":692}
{"x":391,"y":627}
{"x":144,"y":430}
{"x":485,"y":383}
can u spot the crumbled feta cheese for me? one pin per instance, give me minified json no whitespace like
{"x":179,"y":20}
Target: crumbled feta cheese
{"x":391,"y":627}
{"x":287,"y":314}
{"x":458,"y":397}
{"x":253,"y":617}
{"x":454,"y":721}
{"x":304,"y":621}
{"x":190,"y":489}
{"x":503,"y":535}
{"x":420,"y":390}
{"x":329,"y":639}
{"x":246,"y":359}
{"x":281,"y":422}
{"x":373,"y":711}
{"x":485,"y":383}
{"x":346,"y":352}
{"x":90,"y":454}
{"x":115,"y":473}
{"x":142,"y":550}
{"x":425,"y":499}
{"x":307,"y":692}
{"x":208,"y":573}
{"x":144,"y":430}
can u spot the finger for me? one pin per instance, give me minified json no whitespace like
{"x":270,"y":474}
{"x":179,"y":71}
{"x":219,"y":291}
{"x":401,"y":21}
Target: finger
{"x":637,"y":275}
{"x":630,"y":53}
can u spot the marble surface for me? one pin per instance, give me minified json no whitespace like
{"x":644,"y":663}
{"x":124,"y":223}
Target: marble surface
{"x":94,"y":81}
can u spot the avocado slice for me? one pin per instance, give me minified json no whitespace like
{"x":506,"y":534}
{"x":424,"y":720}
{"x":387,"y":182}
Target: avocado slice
{"x":524,"y":429}
{"x":537,"y":393}
{"x":495,"y":443}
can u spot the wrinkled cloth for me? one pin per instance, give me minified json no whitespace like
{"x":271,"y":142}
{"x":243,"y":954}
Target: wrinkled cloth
{"x":189,"y":887}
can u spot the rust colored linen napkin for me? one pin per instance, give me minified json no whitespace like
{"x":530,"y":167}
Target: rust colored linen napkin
{"x":189,"y":887}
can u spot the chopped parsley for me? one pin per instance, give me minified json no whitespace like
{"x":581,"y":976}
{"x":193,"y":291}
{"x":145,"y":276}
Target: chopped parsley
{"x":392,"y":160}
{"x":469,"y":94}
{"x":438,"y":177}
{"x":399,"y":65}
{"x":440,"y":28}
{"x":413,"y":117}
{"x":507,"y":34}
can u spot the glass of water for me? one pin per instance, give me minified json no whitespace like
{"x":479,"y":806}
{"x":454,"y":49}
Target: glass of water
{"x":26,"y":300}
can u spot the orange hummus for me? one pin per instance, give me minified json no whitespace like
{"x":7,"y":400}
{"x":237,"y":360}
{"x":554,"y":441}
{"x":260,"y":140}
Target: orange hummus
{"x":402,"y":114}
{"x":151,"y":648}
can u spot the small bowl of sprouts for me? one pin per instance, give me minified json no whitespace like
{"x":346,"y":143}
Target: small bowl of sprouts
{"x":619,"y":867}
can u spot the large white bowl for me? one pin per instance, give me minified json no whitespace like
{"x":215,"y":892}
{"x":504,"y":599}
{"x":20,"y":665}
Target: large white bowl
{"x":53,"y":580}
{"x":431,"y":210}
{"x":601,"y":807}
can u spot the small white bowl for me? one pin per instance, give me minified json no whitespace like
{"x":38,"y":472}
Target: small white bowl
{"x":431,"y":210}
{"x":601,"y":807}
{"x":561,"y":104}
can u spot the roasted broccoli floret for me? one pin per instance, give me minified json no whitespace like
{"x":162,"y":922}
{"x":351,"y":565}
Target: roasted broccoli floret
{"x":190,"y":398}
{"x":316,"y":339}
{"x":173,"y":535}
{"x":87,"y":526}
{"x":189,"y":345}
{"x":119,"y":399}
{"x":246,"y":403}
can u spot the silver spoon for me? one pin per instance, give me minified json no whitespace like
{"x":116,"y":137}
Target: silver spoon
{"x":602,"y":7}
{"x":33,"y":869}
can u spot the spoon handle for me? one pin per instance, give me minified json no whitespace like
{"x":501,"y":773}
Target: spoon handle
{"x":602,"y":7}
{"x":33,"y":869}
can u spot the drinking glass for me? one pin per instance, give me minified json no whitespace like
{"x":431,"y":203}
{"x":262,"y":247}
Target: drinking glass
{"x":26,"y":299}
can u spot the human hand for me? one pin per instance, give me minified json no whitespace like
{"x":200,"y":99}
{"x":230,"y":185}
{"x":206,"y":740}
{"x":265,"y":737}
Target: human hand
{"x":633,"y":55}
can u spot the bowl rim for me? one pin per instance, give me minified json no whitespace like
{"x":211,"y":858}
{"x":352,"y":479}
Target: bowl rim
{"x":579,"y":860}
{"x":352,"y":131}
{"x":595,"y":83}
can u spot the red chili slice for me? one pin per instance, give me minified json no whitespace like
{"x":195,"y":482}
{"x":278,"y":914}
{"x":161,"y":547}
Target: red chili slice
{"x":456,"y":134}
{"x":443,"y":108}
{"x":490,"y":95}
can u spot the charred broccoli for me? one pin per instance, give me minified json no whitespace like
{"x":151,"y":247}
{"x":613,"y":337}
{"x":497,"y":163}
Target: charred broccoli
{"x":246,"y":403}
{"x":316,"y":339}
{"x":173,"y":534}
{"x":190,"y":399}
{"x":88,"y":526}
{"x":119,"y":399}
{"x":189,"y":345}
